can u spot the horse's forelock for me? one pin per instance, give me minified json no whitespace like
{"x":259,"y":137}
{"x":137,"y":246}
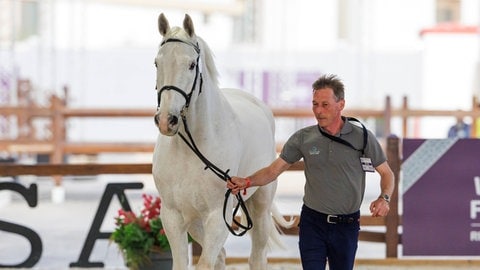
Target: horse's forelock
{"x":177,"y":32}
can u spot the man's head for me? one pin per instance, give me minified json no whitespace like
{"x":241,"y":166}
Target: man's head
{"x":332,"y":82}
{"x":328,"y":101}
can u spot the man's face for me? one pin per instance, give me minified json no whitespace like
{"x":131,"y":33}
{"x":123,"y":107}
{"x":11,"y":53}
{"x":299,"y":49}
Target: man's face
{"x":325,"y":107}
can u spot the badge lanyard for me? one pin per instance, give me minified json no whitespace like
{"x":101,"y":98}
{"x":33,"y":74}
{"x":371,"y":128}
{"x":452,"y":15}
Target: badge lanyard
{"x":366,"y":162}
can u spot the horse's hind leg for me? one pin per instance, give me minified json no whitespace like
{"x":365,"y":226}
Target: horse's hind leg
{"x":259,"y":209}
{"x":197,"y":232}
{"x":215,"y":235}
{"x":220,"y":263}
{"x":207,"y":263}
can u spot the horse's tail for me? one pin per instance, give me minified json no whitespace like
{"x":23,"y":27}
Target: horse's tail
{"x":278,"y":220}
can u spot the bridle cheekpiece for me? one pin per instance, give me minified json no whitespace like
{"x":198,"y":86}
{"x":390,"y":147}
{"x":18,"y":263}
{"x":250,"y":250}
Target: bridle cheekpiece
{"x":198,"y":74}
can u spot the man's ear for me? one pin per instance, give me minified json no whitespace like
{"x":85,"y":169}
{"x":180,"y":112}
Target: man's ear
{"x":342,"y":104}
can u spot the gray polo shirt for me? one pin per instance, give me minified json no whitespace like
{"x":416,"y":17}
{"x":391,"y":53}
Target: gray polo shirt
{"x":335,"y":180}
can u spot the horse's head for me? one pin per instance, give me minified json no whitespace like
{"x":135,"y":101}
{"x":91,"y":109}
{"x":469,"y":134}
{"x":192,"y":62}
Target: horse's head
{"x":178,"y":73}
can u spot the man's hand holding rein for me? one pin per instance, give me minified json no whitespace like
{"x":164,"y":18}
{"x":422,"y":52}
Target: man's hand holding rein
{"x":238,"y":183}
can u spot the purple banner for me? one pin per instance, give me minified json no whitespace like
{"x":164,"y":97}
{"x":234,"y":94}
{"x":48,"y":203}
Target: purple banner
{"x":441,"y":197}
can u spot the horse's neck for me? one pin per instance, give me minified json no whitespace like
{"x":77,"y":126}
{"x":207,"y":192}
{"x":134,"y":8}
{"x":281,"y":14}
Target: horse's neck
{"x":211,"y":113}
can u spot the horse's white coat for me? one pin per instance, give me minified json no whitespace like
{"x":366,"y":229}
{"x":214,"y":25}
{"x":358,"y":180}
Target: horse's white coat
{"x":233,"y":130}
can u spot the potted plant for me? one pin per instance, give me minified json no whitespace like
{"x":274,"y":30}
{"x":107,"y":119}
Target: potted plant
{"x":141,"y":236}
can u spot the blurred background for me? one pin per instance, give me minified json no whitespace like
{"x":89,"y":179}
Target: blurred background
{"x":102,"y":51}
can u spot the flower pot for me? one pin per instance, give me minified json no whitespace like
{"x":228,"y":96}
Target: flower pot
{"x":161,"y":260}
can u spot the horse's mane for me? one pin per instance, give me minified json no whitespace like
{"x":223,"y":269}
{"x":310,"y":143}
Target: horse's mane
{"x":206,"y":54}
{"x":208,"y":58}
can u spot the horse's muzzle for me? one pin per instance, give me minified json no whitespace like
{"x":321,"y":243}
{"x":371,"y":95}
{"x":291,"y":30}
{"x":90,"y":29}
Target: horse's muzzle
{"x":168,"y":125}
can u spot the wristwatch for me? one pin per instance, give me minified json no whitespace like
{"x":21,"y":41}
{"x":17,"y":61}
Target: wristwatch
{"x":385,"y":197}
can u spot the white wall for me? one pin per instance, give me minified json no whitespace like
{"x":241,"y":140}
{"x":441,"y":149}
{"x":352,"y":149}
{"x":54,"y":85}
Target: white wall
{"x":105,"y":53}
{"x":449,"y":65}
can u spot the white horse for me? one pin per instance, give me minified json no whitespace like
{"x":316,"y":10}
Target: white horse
{"x":231,"y":128}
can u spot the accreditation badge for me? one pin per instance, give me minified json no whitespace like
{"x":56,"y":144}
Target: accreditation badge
{"x":367,"y":165}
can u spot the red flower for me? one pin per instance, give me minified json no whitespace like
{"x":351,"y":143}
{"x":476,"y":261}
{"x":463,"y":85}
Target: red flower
{"x":125,"y":217}
{"x":151,"y":208}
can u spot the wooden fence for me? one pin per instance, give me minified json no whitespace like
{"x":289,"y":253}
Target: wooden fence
{"x":58,"y":113}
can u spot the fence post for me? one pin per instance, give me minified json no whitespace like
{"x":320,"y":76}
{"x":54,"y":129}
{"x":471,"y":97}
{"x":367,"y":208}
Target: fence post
{"x":475,"y":108}
{"x":392,"y":220}
{"x":387,"y":116}
{"x":405,"y":117}
{"x":24,"y":120}
{"x":58,"y":128}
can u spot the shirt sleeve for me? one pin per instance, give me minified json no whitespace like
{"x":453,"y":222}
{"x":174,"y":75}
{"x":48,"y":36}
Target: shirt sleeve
{"x":291,"y":151}
{"x":374,"y":150}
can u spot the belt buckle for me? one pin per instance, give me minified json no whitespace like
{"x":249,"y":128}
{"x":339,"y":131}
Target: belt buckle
{"x":329,"y":217}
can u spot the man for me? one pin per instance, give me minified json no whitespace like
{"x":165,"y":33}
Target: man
{"x":459,"y":130}
{"x":337,"y":152}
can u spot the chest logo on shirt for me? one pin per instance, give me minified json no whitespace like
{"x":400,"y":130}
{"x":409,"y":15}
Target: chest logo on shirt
{"x":314,"y":151}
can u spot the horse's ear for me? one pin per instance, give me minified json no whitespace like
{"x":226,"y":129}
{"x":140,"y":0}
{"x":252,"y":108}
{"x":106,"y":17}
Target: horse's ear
{"x":163,"y":25}
{"x":188,"y":25}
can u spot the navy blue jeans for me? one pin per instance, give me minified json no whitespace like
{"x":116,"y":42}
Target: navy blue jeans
{"x":325,"y":238}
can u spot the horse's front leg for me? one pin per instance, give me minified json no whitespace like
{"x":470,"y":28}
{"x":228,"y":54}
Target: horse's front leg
{"x":259,"y":208}
{"x":213,"y":253}
{"x":175,"y":228}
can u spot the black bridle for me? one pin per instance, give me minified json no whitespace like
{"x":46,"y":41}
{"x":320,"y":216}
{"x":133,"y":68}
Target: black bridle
{"x":198,"y":74}
{"x":223,"y":175}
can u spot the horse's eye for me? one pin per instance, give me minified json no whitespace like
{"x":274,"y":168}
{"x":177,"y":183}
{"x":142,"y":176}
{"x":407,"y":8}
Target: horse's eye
{"x":155,"y":63}
{"x":192,"y":66}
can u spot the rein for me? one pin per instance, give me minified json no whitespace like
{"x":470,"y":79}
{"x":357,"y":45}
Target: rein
{"x":223,"y":175}
{"x":190,"y":142}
